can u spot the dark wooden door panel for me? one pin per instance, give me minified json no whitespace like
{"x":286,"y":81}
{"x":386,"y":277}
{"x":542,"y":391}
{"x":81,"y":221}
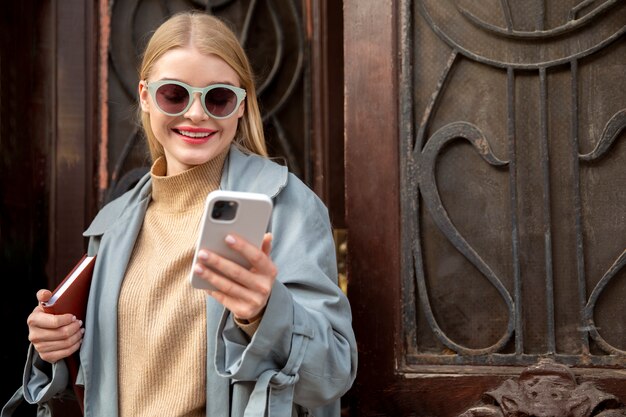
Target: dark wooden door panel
{"x":486,"y":225}
{"x":48,"y":148}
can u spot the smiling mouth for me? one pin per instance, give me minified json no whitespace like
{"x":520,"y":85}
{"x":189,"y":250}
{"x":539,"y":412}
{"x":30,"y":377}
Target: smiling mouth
{"x":194,"y":135}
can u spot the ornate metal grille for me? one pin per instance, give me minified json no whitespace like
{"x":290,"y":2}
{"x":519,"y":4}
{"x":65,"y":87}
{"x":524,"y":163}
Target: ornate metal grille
{"x":513,"y":176}
{"x":273,"y":35}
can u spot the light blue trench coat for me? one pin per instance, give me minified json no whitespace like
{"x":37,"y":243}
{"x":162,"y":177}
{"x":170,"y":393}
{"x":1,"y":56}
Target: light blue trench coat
{"x":304,"y":351}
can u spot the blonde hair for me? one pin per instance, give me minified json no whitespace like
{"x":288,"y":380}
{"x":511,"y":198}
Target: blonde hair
{"x":209,"y":35}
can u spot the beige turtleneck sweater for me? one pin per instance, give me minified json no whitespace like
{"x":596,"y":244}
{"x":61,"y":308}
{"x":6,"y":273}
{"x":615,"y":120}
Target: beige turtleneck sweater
{"x":161,"y":318}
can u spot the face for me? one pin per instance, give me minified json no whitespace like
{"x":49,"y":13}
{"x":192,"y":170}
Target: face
{"x":193,"y":137}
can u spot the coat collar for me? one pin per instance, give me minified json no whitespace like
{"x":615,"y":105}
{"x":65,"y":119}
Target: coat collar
{"x":249,"y":172}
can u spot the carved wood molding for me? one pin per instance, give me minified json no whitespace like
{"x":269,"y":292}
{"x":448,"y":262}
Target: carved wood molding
{"x":547,"y":389}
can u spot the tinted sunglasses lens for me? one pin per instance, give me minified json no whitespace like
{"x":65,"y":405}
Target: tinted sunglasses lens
{"x":172,"y":98}
{"x":220,"y":101}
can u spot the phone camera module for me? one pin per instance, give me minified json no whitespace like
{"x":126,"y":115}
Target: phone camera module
{"x":224,"y":210}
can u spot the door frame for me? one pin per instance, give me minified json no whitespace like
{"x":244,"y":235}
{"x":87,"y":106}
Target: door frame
{"x":370,"y":76}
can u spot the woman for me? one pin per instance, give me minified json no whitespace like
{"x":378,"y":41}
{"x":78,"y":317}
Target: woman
{"x":276,"y":338}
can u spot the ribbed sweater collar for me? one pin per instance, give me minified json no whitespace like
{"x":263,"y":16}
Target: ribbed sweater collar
{"x":184,"y":191}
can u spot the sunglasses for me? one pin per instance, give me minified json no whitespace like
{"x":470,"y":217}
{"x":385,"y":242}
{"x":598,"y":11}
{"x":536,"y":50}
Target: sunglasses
{"x":174,"y":98}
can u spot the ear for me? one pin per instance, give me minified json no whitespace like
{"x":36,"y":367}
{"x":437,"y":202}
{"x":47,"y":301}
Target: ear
{"x":242,"y":109}
{"x":143,"y":96}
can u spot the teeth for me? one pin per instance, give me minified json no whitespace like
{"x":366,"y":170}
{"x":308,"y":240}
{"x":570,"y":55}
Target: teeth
{"x":194,"y":134}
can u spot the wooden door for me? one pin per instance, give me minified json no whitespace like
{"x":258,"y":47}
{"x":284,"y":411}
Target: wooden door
{"x":48,"y":157}
{"x":486,"y":212}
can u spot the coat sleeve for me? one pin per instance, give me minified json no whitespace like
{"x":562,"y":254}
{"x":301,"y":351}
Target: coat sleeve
{"x":42,"y":380}
{"x":305,"y":344}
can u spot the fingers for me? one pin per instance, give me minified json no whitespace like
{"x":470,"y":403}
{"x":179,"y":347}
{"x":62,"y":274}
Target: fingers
{"x":53,"y":336}
{"x":259,"y":259}
{"x":42,"y":320}
{"x":56,"y":343}
{"x":244,"y":292}
{"x":244,"y":303}
{"x":53,"y":353}
{"x":42,"y":334}
{"x":227,"y":276}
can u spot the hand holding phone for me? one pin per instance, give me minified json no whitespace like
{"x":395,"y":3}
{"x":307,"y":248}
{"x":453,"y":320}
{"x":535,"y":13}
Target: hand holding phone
{"x":231,"y":212}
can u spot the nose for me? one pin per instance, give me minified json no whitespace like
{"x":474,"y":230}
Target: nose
{"x":196,"y":111}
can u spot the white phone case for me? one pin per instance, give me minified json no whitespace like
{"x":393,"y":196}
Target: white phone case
{"x":250,"y":221}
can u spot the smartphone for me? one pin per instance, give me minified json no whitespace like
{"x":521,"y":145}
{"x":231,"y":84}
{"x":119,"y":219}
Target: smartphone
{"x":231,"y":212}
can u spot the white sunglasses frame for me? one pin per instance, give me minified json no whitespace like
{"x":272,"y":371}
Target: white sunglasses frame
{"x":153,"y":86}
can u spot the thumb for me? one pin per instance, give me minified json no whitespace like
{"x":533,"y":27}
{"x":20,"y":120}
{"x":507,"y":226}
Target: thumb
{"x":266,"y":246}
{"x":43,"y":295}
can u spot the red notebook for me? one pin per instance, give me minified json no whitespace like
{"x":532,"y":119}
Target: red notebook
{"x":71,"y":297}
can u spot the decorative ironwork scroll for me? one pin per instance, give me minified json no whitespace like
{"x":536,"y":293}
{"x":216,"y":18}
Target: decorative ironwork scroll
{"x":273,"y":35}
{"x":488,"y":248}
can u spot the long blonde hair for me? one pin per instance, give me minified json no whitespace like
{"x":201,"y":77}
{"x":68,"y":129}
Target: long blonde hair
{"x":209,"y":35}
